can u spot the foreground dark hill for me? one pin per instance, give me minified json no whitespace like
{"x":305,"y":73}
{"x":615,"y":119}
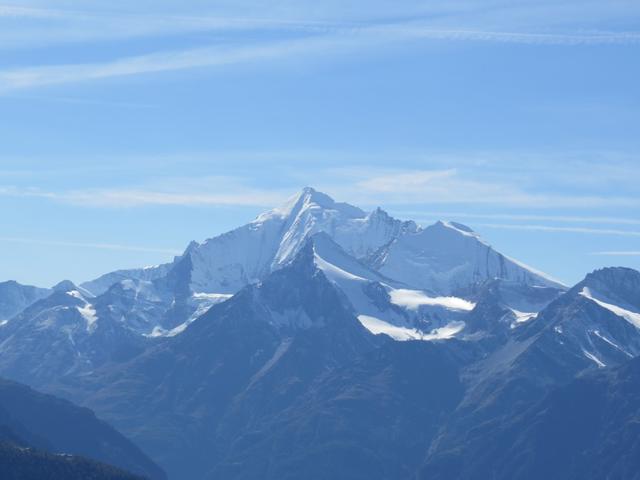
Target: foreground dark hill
{"x":57,"y":426}
{"x":22,"y":463}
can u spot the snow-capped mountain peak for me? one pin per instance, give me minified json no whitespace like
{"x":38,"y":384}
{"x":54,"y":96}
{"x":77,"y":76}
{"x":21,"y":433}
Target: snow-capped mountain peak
{"x":308,"y":213}
{"x":309,"y":199}
{"x":226,"y":263}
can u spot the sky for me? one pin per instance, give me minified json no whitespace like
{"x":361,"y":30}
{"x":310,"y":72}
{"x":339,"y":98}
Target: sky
{"x":128,"y":129}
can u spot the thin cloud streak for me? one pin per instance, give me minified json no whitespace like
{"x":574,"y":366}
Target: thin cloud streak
{"x":404,"y":187}
{"x":521,"y":217}
{"x":143,"y":197}
{"x":552,"y":228}
{"x":11,"y":11}
{"x":100,"y":246}
{"x":460,"y":187}
{"x":109,"y":25}
{"x":619,"y":253}
{"x":154,"y":63}
{"x":336,"y":42}
{"x":567,"y":39}
{"x":137,"y":198}
{"x":81,"y":101}
{"x":66,"y":27}
{"x":409,"y":181}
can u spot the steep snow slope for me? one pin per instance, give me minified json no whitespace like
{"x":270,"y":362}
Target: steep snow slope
{"x":448,"y":258}
{"x":382,"y":305}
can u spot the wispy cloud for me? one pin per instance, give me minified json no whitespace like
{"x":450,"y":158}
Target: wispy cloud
{"x":519,"y":217}
{"x":529,"y":38}
{"x":453,"y":186}
{"x":158,"y":62}
{"x":186,"y":195}
{"x":64,"y":26}
{"x":619,"y":253}
{"x":368,"y":187}
{"x":137,"y":198}
{"x":83,"y":101}
{"x":325,"y":40}
{"x":100,"y":246}
{"x":411,"y":181}
{"x":12,"y":11}
{"x":554,"y":228}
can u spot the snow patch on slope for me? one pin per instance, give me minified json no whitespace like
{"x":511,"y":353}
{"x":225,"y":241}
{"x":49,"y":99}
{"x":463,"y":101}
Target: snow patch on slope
{"x":628,"y":315}
{"x":594,"y":359}
{"x":612,"y":343}
{"x":334,"y":272}
{"x":413,"y":299}
{"x":87,"y":311}
{"x":522,"y":317}
{"x":450,"y":330}
{"x":204,"y":300}
{"x":89,"y":314}
{"x":377,"y":326}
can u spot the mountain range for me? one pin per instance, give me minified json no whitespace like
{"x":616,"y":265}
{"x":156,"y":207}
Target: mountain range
{"x":321,"y":341}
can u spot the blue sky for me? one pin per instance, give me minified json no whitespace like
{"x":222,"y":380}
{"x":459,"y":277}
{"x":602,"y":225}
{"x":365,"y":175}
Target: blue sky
{"x":130,"y":128}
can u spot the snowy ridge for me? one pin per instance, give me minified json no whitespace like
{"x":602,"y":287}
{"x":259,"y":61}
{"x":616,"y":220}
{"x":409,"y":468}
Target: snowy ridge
{"x":631,"y":317}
